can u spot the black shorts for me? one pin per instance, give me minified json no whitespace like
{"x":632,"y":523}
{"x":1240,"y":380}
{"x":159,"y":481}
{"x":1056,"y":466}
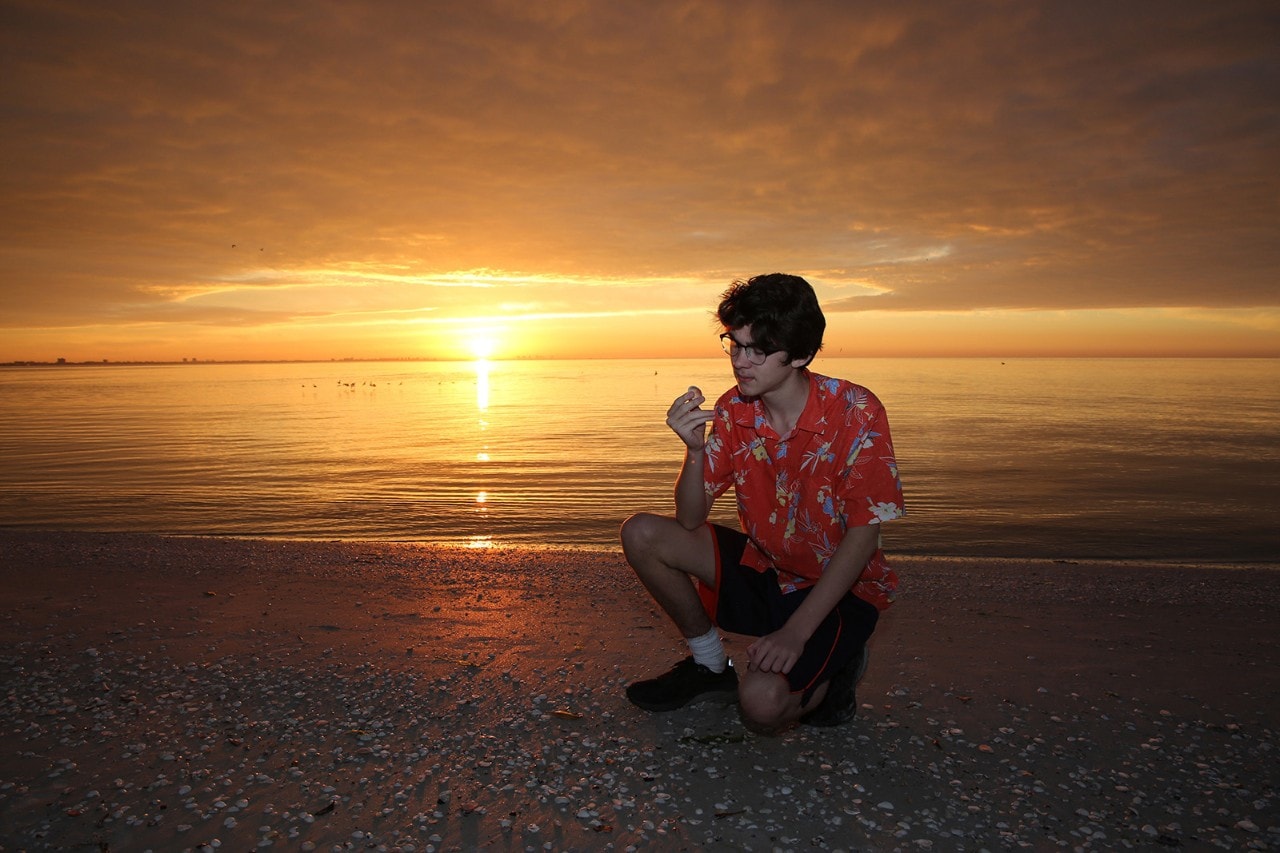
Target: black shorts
{"x":747,"y":601}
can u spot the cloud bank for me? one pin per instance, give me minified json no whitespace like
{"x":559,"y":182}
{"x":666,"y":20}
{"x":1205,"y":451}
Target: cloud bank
{"x":202,"y":162}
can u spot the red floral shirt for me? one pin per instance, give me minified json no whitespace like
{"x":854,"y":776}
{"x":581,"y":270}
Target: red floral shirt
{"x":798,"y":494}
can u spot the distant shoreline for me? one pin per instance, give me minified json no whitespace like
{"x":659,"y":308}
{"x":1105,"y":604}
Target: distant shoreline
{"x":203,"y":362}
{"x":532,"y":358}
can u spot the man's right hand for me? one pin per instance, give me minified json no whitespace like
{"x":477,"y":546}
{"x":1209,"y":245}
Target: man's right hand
{"x":688,"y":420}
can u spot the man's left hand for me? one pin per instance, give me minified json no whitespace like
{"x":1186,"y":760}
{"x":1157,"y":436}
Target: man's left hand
{"x":776,"y":652}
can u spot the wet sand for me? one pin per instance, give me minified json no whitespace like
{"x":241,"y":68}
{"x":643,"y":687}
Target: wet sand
{"x":198,"y":694}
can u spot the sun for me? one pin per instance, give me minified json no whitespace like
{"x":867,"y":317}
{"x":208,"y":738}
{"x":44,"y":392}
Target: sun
{"x":482,"y":344}
{"x":484,"y":341}
{"x":480,"y":341}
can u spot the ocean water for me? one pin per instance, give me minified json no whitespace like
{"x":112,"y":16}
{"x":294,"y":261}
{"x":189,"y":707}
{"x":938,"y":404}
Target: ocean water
{"x":1163,"y":459}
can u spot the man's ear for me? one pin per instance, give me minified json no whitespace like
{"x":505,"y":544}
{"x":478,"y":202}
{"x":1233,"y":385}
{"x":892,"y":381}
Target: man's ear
{"x":800,"y":363}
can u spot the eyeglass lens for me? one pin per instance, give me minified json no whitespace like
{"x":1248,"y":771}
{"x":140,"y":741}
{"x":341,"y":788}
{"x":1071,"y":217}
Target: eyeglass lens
{"x":754,"y":354}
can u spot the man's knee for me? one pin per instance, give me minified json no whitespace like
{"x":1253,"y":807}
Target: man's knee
{"x":632,"y":530}
{"x":765,"y":702}
{"x":638,"y":531}
{"x":637,"y":525}
{"x":657,"y":544}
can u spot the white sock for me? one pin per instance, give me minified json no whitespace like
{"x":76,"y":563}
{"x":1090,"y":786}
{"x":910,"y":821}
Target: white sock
{"x":708,"y":650}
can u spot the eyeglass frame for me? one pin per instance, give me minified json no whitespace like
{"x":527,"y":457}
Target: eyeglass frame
{"x":731,"y":346}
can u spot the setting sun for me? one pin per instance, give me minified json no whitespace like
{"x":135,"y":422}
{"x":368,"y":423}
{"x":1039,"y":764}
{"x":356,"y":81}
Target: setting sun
{"x":483,"y":344}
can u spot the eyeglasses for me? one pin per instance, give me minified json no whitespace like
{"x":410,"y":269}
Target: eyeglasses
{"x":754,"y":354}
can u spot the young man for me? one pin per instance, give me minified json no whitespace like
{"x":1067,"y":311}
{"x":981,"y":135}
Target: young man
{"x":811,"y":464}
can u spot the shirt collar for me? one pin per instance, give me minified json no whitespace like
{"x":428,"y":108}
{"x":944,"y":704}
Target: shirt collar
{"x":812,"y":419}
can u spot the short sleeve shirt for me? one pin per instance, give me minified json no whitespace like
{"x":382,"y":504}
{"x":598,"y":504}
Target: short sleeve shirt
{"x":798,"y":494}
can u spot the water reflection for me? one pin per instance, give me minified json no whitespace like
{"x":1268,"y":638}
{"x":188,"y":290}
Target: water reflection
{"x":482,"y":386}
{"x":481,"y":507}
{"x":95,"y":445}
{"x":482,"y":403}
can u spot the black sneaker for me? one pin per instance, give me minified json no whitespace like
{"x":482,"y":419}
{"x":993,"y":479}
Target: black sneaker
{"x":680,"y":685}
{"x":840,"y":705}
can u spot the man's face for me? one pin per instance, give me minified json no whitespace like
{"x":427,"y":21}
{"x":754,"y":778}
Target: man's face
{"x":757,"y":371}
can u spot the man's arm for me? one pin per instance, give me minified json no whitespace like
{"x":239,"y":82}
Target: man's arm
{"x":689,"y":421}
{"x":779,"y":651}
{"x":692,"y":504}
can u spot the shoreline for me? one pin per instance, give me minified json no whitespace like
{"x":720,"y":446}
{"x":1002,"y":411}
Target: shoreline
{"x":166,"y":692}
{"x":895,"y":556}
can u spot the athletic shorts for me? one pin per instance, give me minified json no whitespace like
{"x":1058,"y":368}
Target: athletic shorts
{"x":748,"y":601}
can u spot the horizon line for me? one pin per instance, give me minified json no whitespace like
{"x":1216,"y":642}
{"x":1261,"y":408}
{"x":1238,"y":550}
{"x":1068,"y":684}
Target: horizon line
{"x":193,"y":362}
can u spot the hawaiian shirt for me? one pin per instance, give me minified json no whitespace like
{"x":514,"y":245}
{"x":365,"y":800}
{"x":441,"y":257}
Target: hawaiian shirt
{"x":798,"y":494}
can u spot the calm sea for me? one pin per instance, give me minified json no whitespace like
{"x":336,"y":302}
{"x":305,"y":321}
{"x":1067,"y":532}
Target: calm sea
{"x":1117,"y":458}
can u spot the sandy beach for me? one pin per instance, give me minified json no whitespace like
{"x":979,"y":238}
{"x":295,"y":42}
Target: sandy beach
{"x":217,"y":694}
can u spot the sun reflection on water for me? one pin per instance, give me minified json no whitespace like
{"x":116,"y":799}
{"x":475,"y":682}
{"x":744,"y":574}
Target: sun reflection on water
{"x":482,"y":368}
{"x":482,"y":386}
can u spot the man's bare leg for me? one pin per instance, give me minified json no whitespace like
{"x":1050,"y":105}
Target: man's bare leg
{"x":666,"y":558}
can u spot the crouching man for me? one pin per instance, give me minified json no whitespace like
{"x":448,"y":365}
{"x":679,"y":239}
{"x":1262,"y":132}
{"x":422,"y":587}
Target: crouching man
{"x":811,"y":464}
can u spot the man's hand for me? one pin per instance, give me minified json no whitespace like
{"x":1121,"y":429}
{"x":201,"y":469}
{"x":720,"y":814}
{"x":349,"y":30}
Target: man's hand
{"x":776,"y":652}
{"x":688,"y":420}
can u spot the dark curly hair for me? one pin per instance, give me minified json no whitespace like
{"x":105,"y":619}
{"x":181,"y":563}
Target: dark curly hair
{"x":782,"y":311}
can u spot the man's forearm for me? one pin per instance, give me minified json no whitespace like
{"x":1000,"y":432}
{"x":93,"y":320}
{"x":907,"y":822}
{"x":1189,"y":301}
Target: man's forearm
{"x":691,"y":494}
{"x":842,"y":572}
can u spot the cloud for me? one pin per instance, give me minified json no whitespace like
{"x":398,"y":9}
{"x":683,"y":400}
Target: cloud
{"x":948,"y":156}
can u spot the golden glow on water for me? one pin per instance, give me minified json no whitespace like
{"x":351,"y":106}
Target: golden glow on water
{"x":483,"y":347}
{"x":483,"y":389}
{"x":482,"y":368}
{"x":1062,"y":458}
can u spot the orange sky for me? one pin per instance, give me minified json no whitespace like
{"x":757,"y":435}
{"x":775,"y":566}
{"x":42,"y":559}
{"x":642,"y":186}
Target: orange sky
{"x":246,"y":180}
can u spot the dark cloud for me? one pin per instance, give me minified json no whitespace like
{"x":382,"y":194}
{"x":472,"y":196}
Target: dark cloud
{"x":950,"y":156}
